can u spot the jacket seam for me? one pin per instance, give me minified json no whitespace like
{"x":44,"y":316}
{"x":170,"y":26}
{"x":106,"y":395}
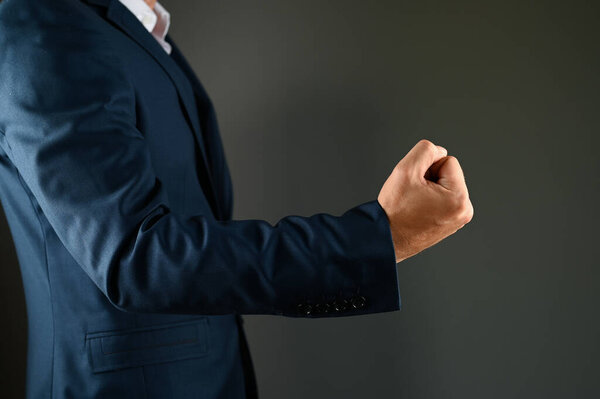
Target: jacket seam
{"x":49,"y":279}
{"x":143,"y":368}
{"x":144,"y":381}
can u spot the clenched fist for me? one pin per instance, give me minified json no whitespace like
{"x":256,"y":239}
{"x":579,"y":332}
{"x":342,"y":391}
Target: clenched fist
{"x":425,"y":198}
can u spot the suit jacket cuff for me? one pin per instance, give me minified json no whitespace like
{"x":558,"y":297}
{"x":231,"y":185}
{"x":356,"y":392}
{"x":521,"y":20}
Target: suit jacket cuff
{"x":373,"y":260}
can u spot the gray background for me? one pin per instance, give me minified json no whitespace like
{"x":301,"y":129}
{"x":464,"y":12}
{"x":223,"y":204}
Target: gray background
{"x":318,"y":100}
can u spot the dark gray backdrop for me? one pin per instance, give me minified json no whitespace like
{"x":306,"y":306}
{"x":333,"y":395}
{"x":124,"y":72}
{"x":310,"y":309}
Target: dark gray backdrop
{"x":318,"y":100}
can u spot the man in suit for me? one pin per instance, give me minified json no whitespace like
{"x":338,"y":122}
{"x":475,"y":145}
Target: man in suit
{"x":118,"y":196}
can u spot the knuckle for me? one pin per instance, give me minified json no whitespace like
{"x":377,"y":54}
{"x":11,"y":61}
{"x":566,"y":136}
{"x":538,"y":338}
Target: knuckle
{"x":428,"y":145}
{"x":460,"y":205}
{"x":453,"y":159}
{"x":465,"y":214}
{"x":468,"y":216}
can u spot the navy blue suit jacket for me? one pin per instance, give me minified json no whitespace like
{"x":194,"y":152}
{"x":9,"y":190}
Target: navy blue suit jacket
{"x":118,"y":196}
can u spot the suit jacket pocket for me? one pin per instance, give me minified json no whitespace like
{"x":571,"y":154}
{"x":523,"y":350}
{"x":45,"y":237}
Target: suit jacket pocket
{"x":113,"y":350}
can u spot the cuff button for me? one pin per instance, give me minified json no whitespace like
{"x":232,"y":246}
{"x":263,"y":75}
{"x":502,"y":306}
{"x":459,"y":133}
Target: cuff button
{"x":322,"y":308}
{"x":358,"y":302}
{"x":340,"y":305}
{"x":305,"y":309}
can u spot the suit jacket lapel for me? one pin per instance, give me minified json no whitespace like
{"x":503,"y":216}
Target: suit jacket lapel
{"x":127,"y":22}
{"x":208,"y":124}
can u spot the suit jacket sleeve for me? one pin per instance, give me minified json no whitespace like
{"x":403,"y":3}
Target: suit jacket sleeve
{"x":67,"y":116}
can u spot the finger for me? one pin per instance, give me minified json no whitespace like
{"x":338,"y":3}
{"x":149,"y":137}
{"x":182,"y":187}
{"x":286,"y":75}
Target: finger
{"x":450,"y":174}
{"x":432,"y":173}
{"x":423,"y":155}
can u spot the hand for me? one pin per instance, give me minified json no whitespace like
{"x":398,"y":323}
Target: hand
{"x":425,"y":199}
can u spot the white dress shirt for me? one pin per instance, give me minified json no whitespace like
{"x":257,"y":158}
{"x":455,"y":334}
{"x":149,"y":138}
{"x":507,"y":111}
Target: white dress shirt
{"x":155,"y":21}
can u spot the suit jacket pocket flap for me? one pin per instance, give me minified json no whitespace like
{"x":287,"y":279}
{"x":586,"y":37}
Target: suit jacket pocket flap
{"x":114,"y":350}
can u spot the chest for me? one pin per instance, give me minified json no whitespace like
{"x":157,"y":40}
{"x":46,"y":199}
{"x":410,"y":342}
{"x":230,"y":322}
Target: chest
{"x":172,"y":128}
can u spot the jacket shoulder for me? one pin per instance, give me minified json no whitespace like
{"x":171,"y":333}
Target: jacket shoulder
{"x":66,"y":27}
{"x":56,"y":55}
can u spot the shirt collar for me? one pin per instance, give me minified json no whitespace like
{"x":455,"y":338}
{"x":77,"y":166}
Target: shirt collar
{"x":163,"y":21}
{"x":155,"y":21}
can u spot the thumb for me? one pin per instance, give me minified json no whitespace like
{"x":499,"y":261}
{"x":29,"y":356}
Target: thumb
{"x":450,"y":174}
{"x":423,"y":155}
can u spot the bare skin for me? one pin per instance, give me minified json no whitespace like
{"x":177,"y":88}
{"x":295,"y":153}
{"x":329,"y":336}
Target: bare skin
{"x":151,"y":3}
{"x":425,"y":198}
